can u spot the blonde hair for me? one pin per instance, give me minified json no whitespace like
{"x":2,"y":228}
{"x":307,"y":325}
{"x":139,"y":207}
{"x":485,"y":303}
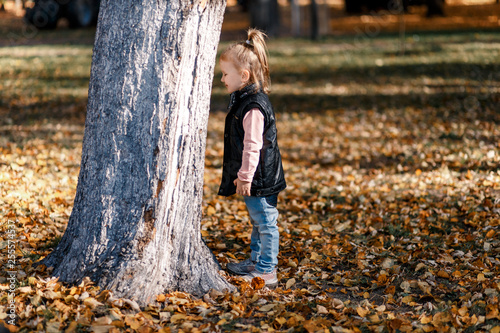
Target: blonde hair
{"x":251,"y":55}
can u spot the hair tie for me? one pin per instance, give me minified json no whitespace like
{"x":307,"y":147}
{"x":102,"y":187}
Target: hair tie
{"x":249,"y":42}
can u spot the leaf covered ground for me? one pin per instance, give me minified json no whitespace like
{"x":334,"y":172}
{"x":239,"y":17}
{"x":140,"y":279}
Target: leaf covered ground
{"x":391,"y":217}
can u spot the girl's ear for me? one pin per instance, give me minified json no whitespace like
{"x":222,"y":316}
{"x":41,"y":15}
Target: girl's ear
{"x":245,"y":75}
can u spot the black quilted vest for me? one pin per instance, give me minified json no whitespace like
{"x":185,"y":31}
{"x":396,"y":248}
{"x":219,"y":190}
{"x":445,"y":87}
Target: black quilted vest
{"x":269,"y":177}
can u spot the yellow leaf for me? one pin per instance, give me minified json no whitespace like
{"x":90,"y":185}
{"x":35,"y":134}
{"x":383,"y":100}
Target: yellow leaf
{"x":480,"y":277}
{"x":52,"y":295}
{"x":132,"y":322}
{"x":425,"y":287}
{"x":210,"y":211}
{"x":267,"y":307}
{"x":315,"y":227}
{"x":407,"y":299}
{"x":419,"y":267}
{"x":63,"y":308}
{"x":405,"y":285}
{"x":337,"y":304}
{"x":310,"y":326}
{"x":426,"y":319}
{"x":492,"y":312}
{"x":441,"y":318}
{"x":178,"y":317}
{"x":32,"y":280}
{"x":161,"y":298}
{"x":290,"y":283}
{"x":362,"y":312}
{"x":280,"y":320}
{"x":101,"y":328}
{"x":92,"y":302}
{"x":101,"y":321}
{"x":322,"y":310}
{"x":495,"y":329}
{"x":25,"y":290}
{"x":315,"y":256}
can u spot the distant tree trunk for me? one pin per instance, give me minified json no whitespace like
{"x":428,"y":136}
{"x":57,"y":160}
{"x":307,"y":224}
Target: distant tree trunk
{"x":435,"y":8}
{"x":295,"y":17}
{"x":264,"y":15}
{"x":314,"y":20}
{"x":135,"y":224}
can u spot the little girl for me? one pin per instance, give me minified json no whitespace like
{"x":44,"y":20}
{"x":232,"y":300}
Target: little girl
{"x":252,"y":160}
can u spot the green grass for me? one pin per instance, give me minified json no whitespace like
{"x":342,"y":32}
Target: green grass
{"x":350,"y":72}
{"x":43,"y":81}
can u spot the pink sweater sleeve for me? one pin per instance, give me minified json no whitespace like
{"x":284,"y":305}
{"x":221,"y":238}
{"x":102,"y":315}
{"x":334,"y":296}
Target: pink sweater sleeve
{"x":253,"y":125}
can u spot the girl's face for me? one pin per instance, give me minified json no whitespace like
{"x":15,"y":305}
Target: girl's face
{"x":231,"y":77}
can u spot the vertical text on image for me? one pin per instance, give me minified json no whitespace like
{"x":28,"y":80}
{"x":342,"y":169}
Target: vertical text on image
{"x":11,"y":271}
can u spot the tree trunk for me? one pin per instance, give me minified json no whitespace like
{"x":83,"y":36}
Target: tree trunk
{"x":295,"y":17}
{"x":135,"y":224}
{"x":264,"y":15}
{"x":435,"y":8}
{"x":314,"y":20}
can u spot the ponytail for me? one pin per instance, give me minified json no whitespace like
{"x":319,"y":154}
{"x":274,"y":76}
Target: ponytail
{"x":251,"y":55}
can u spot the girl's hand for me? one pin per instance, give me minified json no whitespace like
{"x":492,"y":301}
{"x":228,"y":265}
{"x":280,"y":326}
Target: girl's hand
{"x":242,"y":188}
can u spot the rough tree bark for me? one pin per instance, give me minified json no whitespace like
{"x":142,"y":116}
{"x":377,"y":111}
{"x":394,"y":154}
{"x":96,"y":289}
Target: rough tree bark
{"x":135,"y":224}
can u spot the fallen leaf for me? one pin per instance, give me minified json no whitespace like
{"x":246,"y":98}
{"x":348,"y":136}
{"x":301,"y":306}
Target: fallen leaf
{"x":337,"y":304}
{"x":92,"y":302}
{"x":267,"y":307}
{"x":405,"y":285}
{"x":258,"y":283}
{"x":362,"y":312}
{"x":425,"y":287}
{"x":321,"y":310}
{"x":290,"y":283}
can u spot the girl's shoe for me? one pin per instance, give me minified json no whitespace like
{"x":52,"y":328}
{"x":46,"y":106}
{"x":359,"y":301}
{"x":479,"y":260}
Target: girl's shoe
{"x":271,"y":279}
{"x":241,"y":268}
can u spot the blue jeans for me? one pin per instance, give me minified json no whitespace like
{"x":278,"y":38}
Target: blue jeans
{"x":265,"y":234}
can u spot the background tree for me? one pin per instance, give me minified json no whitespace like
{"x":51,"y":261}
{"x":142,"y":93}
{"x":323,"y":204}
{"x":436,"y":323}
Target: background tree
{"x":264,"y":15}
{"x":135,"y":224}
{"x":435,"y":7}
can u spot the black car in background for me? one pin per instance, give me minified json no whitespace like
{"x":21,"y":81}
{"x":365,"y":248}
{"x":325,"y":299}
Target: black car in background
{"x":46,"y":13}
